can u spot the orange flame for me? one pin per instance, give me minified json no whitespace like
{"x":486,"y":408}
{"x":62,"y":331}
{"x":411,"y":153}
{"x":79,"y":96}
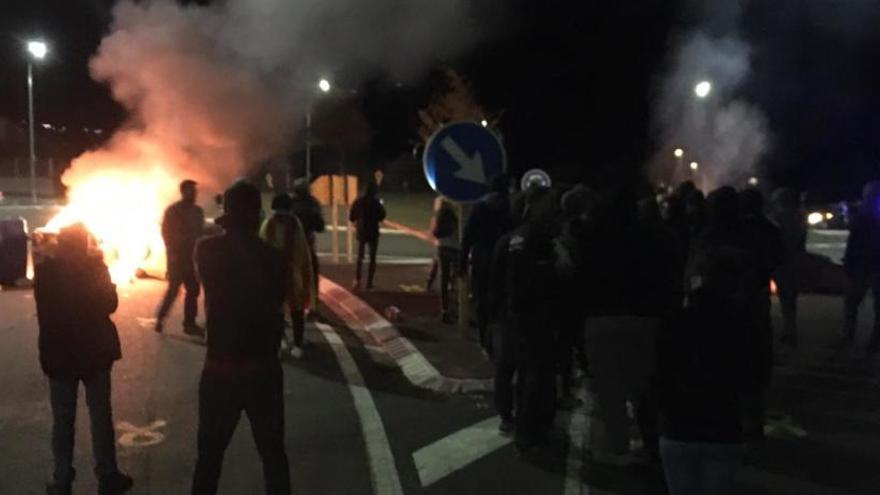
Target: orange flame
{"x":122,"y":207}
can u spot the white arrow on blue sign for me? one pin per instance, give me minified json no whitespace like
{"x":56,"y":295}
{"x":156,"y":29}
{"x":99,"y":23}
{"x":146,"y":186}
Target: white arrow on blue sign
{"x":461,"y":159}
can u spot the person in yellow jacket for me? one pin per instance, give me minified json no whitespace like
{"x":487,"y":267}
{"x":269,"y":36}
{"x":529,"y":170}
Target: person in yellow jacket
{"x":284,"y":232}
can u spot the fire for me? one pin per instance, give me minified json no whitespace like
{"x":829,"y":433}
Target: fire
{"x":123,"y":209}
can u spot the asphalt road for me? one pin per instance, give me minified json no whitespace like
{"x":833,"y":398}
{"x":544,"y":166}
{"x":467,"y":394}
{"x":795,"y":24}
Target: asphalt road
{"x":332,"y":419}
{"x":355,"y":426}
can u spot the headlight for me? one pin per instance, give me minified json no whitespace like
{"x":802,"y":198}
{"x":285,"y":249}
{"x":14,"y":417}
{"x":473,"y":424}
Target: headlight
{"x":815,"y":218}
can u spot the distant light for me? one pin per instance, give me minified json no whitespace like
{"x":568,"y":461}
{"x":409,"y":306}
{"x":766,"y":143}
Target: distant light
{"x":703,"y":88}
{"x":678,"y":152}
{"x":485,"y":123}
{"x":815,"y":218}
{"x":324,"y":85}
{"x":695,"y":166}
{"x":38,"y":49}
{"x":47,"y":126}
{"x":829,"y":216}
{"x":753,"y":181}
{"x":99,"y":131}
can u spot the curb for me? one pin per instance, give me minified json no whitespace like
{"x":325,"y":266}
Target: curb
{"x":379,"y":335}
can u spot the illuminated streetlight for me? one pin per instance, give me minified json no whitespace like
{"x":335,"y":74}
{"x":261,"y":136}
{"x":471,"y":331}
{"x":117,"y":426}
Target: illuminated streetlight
{"x":753,"y":181}
{"x":37,"y":50}
{"x":484,"y":123}
{"x":324,"y":85}
{"x":678,"y":152}
{"x":695,"y":166}
{"x":702,"y":89}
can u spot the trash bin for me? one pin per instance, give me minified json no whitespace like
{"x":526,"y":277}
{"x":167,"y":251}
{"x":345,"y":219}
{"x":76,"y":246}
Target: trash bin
{"x":13,"y":250}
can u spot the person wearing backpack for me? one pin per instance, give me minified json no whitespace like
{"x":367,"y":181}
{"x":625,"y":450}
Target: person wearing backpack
{"x":367,"y":214}
{"x":444,"y":228}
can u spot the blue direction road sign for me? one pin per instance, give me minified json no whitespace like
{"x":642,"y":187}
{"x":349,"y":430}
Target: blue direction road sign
{"x":461,"y":159}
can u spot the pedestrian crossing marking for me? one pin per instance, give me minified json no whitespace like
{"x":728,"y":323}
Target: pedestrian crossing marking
{"x":458,"y":450}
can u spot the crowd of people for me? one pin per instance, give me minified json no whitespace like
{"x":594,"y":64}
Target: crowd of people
{"x":662,"y":302}
{"x":251,"y":271}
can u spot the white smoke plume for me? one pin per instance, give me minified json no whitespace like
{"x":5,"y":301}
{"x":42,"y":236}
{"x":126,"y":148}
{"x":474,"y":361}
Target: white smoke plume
{"x":213,"y":90}
{"x":727,"y":136}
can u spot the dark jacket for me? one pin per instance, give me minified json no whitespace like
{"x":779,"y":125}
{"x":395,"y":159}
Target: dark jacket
{"x":701,"y":359}
{"x":862,"y":255}
{"x":531,"y":282}
{"x":75,"y":299}
{"x":182,"y":225}
{"x":629,"y":271}
{"x":498,"y":290}
{"x":308,"y":211}
{"x":367,"y":214}
{"x":244,"y":282}
{"x":766,"y":241}
{"x":487,"y":222}
{"x":725,"y":274}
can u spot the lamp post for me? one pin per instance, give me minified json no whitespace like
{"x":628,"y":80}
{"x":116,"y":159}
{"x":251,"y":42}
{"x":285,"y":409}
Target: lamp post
{"x":37,"y":51}
{"x":324,"y":86}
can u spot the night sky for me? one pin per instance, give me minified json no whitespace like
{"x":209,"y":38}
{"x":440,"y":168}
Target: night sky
{"x":576,"y":80}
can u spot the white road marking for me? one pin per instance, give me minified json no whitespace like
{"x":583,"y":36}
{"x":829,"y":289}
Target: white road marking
{"x":383,"y":470}
{"x":578,"y":443}
{"x":390,"y":260}
{"x":383,"y":230}
{"x":137,"y":436}
{"x":464,"y":447}
{"x":145,"y":322}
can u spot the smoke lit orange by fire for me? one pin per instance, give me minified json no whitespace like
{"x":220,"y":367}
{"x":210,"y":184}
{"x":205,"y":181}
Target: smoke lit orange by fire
{"x":120,"y":194}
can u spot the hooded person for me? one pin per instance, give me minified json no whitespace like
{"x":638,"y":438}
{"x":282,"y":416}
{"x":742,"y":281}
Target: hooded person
{"x":284,"y":232}
{"x":529,"y":268}
{"x":367,"y":214}
{"x":707,"y":356}
{"x":245,"y":289}
{"x":627,"y":293}
{"x":488,"y":221}
{"x":182,"y":225}
{"x":78,"y":342}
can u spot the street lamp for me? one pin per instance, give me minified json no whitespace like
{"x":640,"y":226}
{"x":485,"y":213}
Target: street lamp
{"x":695,"y":166}
{"x":702,"y":89}
{"x":753,"y":181}
{"x":324,"y":86}
{"x":678,"y":152}
{"x":37,"y":51}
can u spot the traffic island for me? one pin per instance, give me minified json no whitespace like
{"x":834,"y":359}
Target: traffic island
{"x":400,"y":322}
